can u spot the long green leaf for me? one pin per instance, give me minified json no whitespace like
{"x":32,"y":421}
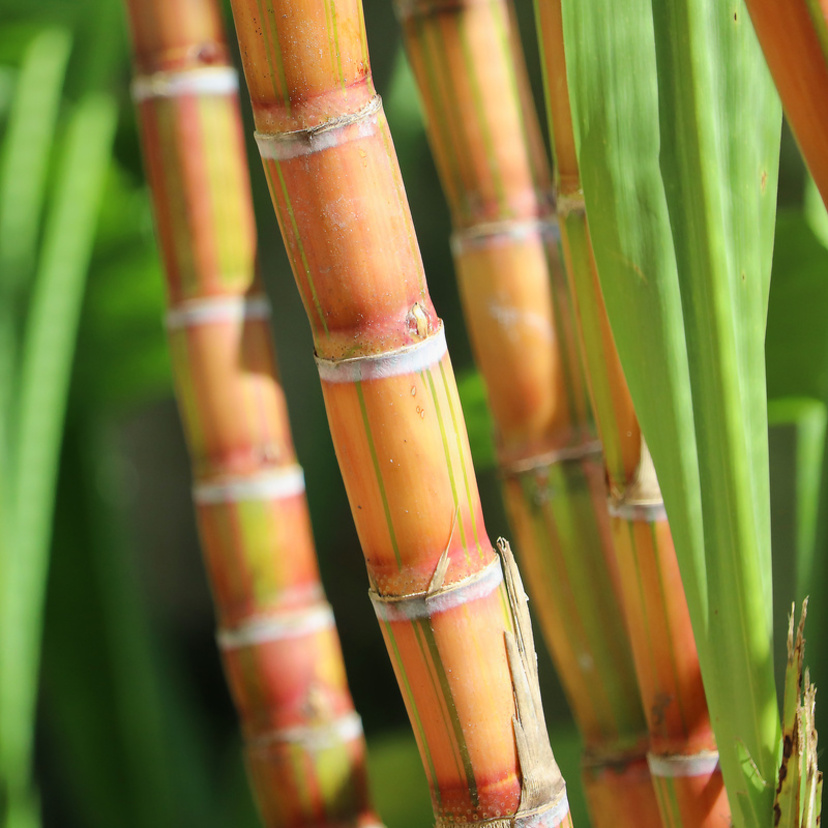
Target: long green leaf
{"x":678,"y":131}
{"x":47,"y":361}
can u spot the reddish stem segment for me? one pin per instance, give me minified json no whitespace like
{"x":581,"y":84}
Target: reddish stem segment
{"x":395,"y":415}
{"x":279,"y":645}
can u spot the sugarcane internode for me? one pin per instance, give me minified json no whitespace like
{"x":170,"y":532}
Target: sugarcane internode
{"x":395,"y":414}
{"x":303,"y":740}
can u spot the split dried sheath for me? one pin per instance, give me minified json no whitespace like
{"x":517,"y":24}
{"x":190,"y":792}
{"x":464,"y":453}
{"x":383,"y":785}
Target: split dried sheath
{"x":468,"y":63}
{"x":451,"y":625}
{"x":794,"y":38}
{"x":305,"y":750}
{"x":683,"y":758}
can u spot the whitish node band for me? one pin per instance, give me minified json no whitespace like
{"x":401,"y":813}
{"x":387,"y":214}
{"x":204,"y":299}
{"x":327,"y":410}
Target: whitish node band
{"x":698,"y":764}
{"x":638,"y":512}
{"x":277,"y":627}
{"x":214,"y":80}
{"x":409,"y":360}
{"x":219,"y":309}
{"x":548,"y":818}
{"x":568,"y":454}
{"x":568,"y":204}
{"x":427,"y":605}
{"x":280,"y":146}
{"x":270,"y":485}
{"x":484,"y":235}
{"x":347,"y":728}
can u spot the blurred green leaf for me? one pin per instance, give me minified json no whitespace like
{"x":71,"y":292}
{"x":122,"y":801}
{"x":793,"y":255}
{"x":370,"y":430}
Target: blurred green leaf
{"x":123,"y":359}
{"x":48,"y":349}
{"x":797,"y":335}
{"x":27,"y":149}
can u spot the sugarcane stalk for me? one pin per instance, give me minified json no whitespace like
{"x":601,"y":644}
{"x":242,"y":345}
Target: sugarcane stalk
{"x":683,"y":758}
{"x":456,"y":634}
{"x":794,"y":38}
{"x":468,"y":62}
{"x":304,"y":745}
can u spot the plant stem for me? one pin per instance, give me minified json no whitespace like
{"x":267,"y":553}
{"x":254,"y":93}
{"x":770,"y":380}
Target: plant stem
{"x":395,"y":417}
{"x":482,"y":127}
{"x":304,"y":743}
{"x":794,"y":38}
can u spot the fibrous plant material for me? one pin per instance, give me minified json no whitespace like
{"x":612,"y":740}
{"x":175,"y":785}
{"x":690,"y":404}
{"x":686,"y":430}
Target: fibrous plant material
{"x":395,"y":416}
{"x":468,"y":63}
{"x":304,"y":744}
{"x":798,"y":800}
{"x":677,"y":129}
{"x":683,"y":758}
{"x":794,"y":38}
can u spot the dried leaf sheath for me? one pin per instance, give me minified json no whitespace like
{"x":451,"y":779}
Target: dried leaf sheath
{"x":683,"y":758}
{"x":392,"y":402}
{"x":468,"y":63}
{"x":304,"y":743}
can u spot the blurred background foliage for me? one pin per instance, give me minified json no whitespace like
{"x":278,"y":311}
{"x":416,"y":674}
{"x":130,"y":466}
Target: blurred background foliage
{"x":132,"y":722}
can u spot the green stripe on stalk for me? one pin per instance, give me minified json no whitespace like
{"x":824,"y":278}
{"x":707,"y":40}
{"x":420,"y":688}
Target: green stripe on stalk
{"x":499,"y":11}
{"x":173,"y":197}
{"x":330,"y":6}
{"x":297,"y":238}
{"x":669,"y":801}
{"x":223,"y":183}
{"x":402,"y":202}
{"x":546,"y":536}
{"x":577,"y":515}
{"x":273,"y":40}
{"x":590,"y":301}
{"x":442,"y":123}
{"x":378,"y":472}
{"x":302,"y":777}
{"x":488,"y":141}
{"x":457,"y":727}
{"x":435,"y":686}
{"x":426,"y":375}
{"x":406,"y":687}
{"x":458,"y":439}
{"x":560,"y":325}
{"x":186,"y":386}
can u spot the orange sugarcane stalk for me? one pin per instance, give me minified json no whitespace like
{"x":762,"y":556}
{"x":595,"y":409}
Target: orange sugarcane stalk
{"x":304,"y":744}
{"x":794,"y":38}
{"x":457,"y":633}
{"x":683,"y":758}
{"x":482,"y":127}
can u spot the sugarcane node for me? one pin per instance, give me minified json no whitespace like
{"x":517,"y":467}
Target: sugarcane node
{"x":566,"y":454}
{"x":406,"y":9}
{"x":280,"y":146}
{"x":487,"y":233}
{"x":570,"y":204}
